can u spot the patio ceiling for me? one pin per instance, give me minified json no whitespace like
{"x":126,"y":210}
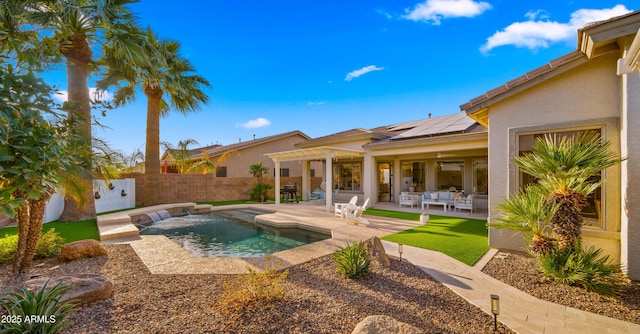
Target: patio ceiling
{"x":315,"y":153}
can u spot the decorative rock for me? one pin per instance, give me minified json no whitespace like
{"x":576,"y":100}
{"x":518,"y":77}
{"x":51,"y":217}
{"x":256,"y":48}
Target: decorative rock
{"x":85,"y":288}
{"x":382,"y":324}
{"x":82,"y":249}
{"x":376,"y":252}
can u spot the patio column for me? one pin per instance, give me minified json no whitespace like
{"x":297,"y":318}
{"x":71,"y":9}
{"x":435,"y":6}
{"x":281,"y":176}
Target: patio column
{"x":328,"y":181}
{"x":277,"y":190}
{"x":306,"y":179}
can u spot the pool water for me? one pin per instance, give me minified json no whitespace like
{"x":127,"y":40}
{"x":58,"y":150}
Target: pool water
{"x":230,"y":233}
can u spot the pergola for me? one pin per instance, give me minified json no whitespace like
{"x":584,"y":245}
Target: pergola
{"x":324,"y":153}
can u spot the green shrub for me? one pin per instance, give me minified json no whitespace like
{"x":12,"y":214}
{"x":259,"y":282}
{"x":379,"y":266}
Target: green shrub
{"x":39,"y":313}
{"x":48,"y":246}
{"x":587,"y":269}
{"x":353,"y":260}
{"x":259,"y":192}
{"x":8,"y":247}
{"x":255,"y":286}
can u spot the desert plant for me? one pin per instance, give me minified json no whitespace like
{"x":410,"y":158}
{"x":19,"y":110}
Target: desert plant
{"x":254,"y":287}
{"x":530,"y":212}
{"x":260,"y":191}
{"x":353,"y":260}
{"x":585,"y":268}
{"x":36,"y":313}
{"x":567,"y":167}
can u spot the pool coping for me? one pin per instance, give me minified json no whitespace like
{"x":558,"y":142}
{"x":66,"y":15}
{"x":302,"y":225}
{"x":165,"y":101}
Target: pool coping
{"x":163,"y":256}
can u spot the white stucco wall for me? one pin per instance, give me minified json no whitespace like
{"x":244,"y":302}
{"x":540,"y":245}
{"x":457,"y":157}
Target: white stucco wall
{"x":112,"y":199}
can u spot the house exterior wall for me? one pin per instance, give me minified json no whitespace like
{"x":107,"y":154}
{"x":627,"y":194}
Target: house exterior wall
{"x":585,"y":96}
{"x":630,"y":176}
{"x":464,"y":147}
{"x":238,"y":163}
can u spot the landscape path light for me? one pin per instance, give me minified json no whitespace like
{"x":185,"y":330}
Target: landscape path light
{"x":495,"y":309}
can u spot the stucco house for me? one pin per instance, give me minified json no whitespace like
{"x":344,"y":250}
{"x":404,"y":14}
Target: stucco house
{"x":595,"y":88}
{"x":424,"y":155}
{"x":234,"y":160}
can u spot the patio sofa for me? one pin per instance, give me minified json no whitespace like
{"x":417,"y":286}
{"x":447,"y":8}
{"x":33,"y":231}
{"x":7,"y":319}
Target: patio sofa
{"x":443,"y":198}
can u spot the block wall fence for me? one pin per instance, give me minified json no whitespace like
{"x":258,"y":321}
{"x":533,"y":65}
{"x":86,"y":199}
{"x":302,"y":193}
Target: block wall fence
{"x":209,"y":188}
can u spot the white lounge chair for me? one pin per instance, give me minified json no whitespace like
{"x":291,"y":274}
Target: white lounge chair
{"x":339,"y":207}
{"x":355,"y":213}
{"x":466,"y":203}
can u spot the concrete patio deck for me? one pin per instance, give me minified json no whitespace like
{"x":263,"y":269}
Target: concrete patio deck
{"x":520,"y":311}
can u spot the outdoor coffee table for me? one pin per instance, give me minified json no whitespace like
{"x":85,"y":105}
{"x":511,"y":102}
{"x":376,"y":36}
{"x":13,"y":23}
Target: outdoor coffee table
{"x":445,"y":204}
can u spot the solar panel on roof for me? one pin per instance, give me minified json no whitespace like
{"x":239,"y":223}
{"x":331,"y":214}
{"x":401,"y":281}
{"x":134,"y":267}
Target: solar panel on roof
{"x":439,"y":125}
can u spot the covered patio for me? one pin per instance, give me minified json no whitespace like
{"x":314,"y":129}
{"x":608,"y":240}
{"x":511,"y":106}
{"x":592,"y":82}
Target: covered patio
{"x":326,"y":154}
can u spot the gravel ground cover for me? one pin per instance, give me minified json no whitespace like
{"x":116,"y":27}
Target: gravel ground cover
{"x":316,"y":300}
{"x":520,"y":271}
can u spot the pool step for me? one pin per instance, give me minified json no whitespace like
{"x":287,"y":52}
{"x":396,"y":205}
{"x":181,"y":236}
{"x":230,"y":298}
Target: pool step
{"x":117,"y":230}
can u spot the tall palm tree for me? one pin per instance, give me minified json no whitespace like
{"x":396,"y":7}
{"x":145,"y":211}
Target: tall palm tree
{"x":567,"y":168}
{"x":78,"y":27}
{"x":167,"y":72}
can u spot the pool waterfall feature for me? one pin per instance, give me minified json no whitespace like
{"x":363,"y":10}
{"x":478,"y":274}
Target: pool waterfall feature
{"x":159,"y":215}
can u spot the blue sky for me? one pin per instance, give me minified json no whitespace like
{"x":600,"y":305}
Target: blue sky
{"x":327,"y":66}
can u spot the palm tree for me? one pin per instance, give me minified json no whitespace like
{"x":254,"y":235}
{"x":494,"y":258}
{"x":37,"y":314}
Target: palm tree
{"x":529,"y":211}
{"x":568,"y":169}
{"x":257,"y":170}
{"x":78,"y":27}
{"x":181,"y":154}
{"x":167,"y":72}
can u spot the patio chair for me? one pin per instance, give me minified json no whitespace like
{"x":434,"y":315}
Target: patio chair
{"x":339,"y":207}
{"x":355,"y":213}
{"x":314,"y":198}
{"x":466,"y":203}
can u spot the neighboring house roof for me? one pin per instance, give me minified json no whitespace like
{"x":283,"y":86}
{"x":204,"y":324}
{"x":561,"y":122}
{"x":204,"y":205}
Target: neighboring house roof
{"x":216,"y":150}
{"x":343,"y":136}
{"x":593,"y":40}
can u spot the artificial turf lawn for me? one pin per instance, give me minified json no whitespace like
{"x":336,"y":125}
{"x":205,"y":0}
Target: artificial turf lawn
{"x":463,"y":239}
{"x":72,"y":231}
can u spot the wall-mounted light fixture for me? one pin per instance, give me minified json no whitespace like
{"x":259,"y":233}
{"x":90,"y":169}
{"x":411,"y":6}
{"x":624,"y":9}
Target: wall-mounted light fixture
{"x":96,"y":195}
{"x":495,"y":309}
{"x":123,"y":193}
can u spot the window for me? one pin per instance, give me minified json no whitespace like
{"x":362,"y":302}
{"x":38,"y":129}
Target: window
{"x":284,"y":172}
{"x":413,"y":176}
{"x":221,"y":171}
{"x":592,"y":213}
{"x":312,"y":172}
{"x":449,"y":175}
{"x":480,"y":177}
{"x":347,"y":176}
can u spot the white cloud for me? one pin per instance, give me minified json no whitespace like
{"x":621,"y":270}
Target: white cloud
{"x":63,"y":95}
{"x":357,"y":73}
{"x":311,"y":103}
{"x":436,"y":10}
{"x":539,"y":32}
{"x":255,"y":123}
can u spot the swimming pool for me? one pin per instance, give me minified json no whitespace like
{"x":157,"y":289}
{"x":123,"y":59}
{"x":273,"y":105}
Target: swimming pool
{"x":230,"y":233}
